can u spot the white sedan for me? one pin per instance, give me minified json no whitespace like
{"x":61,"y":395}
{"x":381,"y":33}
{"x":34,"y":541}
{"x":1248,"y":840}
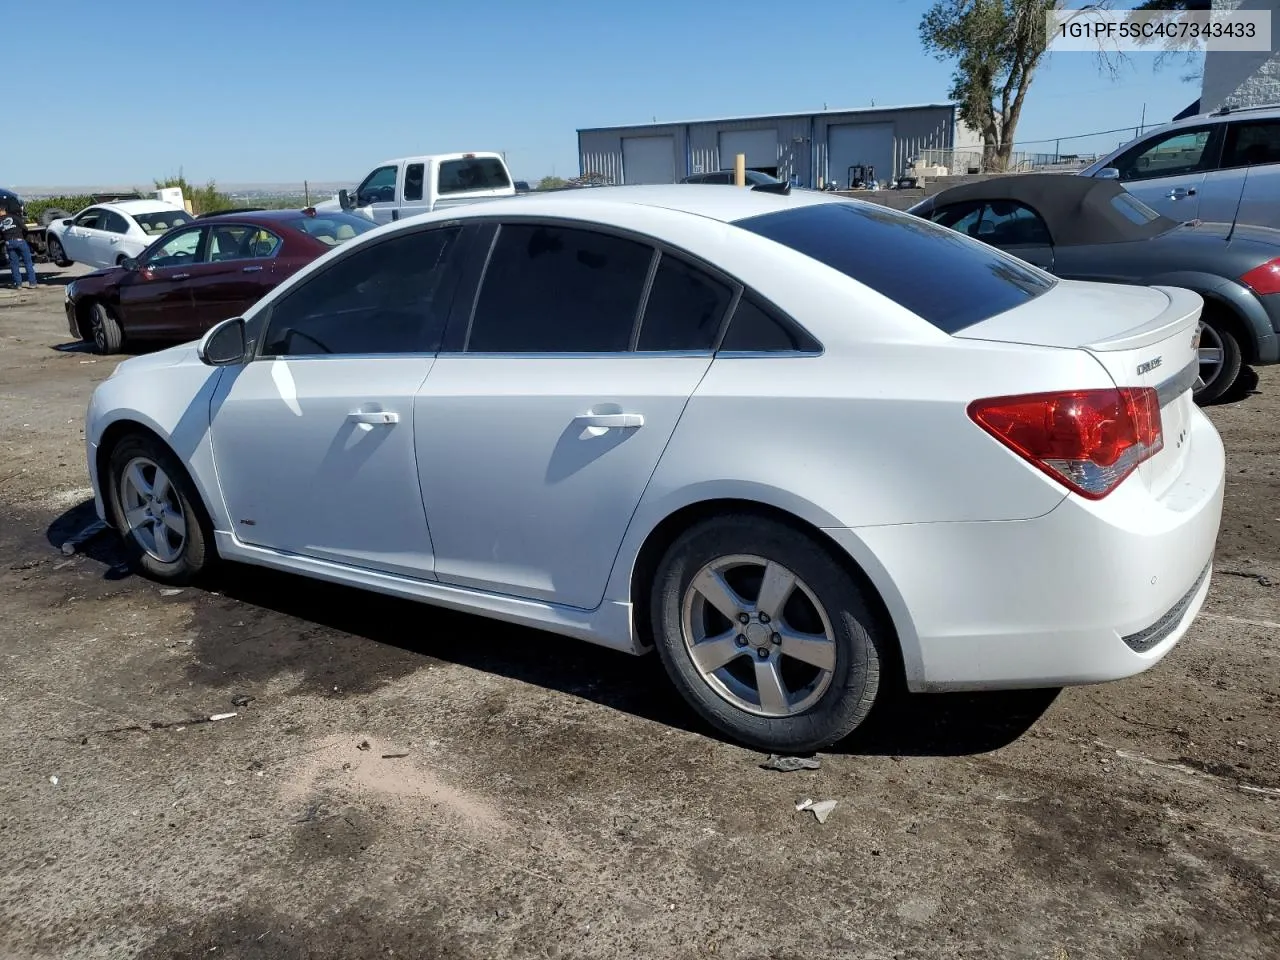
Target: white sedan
{"x":106,"y":234}
{"x":805,"y":447}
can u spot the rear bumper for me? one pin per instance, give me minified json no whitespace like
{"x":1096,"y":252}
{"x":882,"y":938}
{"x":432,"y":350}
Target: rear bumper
{"x":1090,"y":592}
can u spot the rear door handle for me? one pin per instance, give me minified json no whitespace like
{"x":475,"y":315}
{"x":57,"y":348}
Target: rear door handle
{"x":251,"y":270}
{"x":1178,"y":193}
{"x":373,"y":417}
{"x":612,"y":420}
{"x":181,"y":276}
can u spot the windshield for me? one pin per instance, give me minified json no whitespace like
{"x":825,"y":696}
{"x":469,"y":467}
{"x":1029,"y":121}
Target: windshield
{"x":947,"y":279}
{"x":154,"y":224}
{"x":332,"y":228}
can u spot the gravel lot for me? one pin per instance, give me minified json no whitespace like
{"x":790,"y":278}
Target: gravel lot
{"x":465,"y":789}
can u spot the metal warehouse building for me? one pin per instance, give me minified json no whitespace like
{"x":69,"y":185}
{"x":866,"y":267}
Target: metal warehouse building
{"x":814,"y":148}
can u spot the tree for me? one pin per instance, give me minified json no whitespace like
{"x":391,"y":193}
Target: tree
{"x":206,"y":199}
{"x":1172,"y":11}
{"x":997,"y":46}
{"x":552,"y":183}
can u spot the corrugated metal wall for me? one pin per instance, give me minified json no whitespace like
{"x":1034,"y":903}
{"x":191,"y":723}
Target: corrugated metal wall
{"x":802,"y":141}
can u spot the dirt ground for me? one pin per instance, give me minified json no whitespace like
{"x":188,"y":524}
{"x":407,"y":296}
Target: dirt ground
{"x":460,"y":789}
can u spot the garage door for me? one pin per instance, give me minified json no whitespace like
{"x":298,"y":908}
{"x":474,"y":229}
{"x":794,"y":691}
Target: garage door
{"x":648,"y":160}
{"x":859,"y":143}
{"x":760,"y":147}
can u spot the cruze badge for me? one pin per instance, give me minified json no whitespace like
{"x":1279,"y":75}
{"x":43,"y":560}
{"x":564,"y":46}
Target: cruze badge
{"x":1149,"y":365}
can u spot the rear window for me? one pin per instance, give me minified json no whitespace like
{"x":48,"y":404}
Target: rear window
{"x":154,"y":224}
{"x":1133,"y":209}
{"x":947,"y":279}
{"x":478,"y":173}
{"x":332,"y":228}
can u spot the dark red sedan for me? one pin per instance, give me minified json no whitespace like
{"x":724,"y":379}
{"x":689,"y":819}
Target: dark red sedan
{"x":200,"y":273}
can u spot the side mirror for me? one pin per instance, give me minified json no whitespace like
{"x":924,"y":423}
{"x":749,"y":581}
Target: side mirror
{"x":344,"y":200}
{"x":129,"y":263}
{"x":1108,"y":173}
{"x":223,"y":345}
{"x":68,"y":222}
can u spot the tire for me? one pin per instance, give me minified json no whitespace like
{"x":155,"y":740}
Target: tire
{"x":107,"y":336}
{"x":1215,"y":334}
{"x":55,"y":252}
{"x":827,"y":694}
{"x":154,"y":546}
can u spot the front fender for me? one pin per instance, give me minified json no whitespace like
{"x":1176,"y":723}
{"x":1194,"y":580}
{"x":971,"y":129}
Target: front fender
{"x":174,"y":403}
{"x":1263,"y":344}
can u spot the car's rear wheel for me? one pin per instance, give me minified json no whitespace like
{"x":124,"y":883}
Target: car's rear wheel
{"x":1220,"y":361}
{"x":56,"y":253}
{"x":154,"y":505}
{"x":765,"y":634}
{"x":107,"y":335}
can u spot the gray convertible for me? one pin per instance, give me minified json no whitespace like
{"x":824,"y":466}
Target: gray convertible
{"x":1079,"y":228}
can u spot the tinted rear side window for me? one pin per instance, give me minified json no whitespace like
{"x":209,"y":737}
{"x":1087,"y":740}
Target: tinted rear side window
{"x":951,"y":281}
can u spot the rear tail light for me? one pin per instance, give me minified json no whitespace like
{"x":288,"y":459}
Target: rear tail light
{"x":1087,"y":440}
{"x":1264,"y":279}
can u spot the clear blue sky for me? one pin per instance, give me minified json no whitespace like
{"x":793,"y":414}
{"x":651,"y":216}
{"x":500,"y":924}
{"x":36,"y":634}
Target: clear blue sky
{"x":282,"y":90}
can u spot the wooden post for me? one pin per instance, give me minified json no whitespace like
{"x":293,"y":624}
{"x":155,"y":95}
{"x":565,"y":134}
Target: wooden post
{"x":740,"y":170}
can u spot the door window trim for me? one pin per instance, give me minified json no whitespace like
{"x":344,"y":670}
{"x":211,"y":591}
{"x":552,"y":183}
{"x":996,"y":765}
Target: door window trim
{"x":461,"y":321}
{"x":1209,"y":159}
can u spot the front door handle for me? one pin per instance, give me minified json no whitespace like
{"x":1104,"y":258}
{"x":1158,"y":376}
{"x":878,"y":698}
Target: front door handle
{"x":373,"y":417}
{"x":181,"y":276}
{"x":612,"y":420}
{"x":251,"y":270}
{"x":1179,"y":193}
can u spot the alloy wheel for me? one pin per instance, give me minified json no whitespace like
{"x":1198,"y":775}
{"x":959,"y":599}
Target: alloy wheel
{"x":152,"y":510}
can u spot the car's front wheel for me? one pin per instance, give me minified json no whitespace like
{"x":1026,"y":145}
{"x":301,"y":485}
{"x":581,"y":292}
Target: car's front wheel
{"x":765,"y":634}
{"x":56,"y":253}
{"x":107,"y":335}
{"x":154,"y":505}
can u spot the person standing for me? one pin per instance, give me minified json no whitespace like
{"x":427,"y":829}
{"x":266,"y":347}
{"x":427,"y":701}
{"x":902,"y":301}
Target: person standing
{"x":15,"y":244}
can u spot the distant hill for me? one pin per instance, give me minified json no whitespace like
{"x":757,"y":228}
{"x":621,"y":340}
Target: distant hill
{"x":321,"y":188}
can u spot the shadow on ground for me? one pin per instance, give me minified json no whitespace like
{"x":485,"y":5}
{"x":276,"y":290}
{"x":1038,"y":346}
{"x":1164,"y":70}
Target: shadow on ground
{"x":250,"y":625}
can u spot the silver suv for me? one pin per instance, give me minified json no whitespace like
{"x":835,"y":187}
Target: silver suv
{"x":1221,"y":167}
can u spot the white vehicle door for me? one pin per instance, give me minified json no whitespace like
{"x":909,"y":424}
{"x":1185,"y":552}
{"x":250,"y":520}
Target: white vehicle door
{"x":546,"y":414}
{"x":413,"y":191}
{"x":376,"y":194}
{"x":1167,"y":171}
{"x":313,"y":440}
{"x":1245,"y":188}
{"x":78,"y":239}
{"x":111,"y":244}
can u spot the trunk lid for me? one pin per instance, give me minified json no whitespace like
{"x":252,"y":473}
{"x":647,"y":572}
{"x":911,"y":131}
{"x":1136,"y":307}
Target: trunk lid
{"x":1142,"y":336}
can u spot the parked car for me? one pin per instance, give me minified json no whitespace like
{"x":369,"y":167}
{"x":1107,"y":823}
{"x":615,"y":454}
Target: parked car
{"x":414,"y":185}
{"x":200,"y":272}
{"x":1223,"y":167}
{"x":107,"y":234}
{"x":1086,"y":229}
{"x":753,"y":178}
{"x":707,"y":421}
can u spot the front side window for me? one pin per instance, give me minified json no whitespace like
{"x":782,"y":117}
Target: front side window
{"x":1007,"y":223}
{"x":1252,"y":143}
{"x":90,"y":219}
{"x":155,"y":224}
{"x":937,"y":274}
{"x":684,"y":309}
{"x":552,"y":289}
{"x":179,"y":250}
{"x":473,"y":173}
{"x":378,"y":187}
{"x":387,"y":298}
{"x":1175,"y":154}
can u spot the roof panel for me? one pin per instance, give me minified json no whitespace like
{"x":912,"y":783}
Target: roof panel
{"x":773,"y":116}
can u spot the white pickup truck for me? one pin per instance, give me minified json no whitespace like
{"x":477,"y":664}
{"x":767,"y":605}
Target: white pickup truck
{"x":413,"y":185}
